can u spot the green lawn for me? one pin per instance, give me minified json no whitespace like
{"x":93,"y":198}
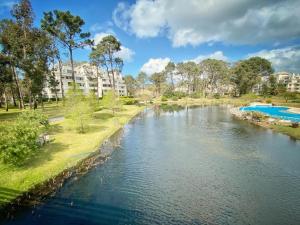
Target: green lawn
{"x":50,"y":109}
{"x":66,"y":150}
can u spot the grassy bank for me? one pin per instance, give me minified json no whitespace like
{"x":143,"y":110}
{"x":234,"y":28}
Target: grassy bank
{"x":293,"y":132}
{"x":66,"y":150}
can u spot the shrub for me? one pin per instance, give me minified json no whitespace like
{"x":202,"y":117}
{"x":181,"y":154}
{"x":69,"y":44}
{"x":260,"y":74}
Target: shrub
{"x":164,"y":99}
{"x":217,"y":96}
{"x":19,"y":140}
{"x":295,"y":125}
{"x":196,"y":95}
{"x":128,"y":101}
{"x":174,"y":98}
{"x":269,"y":101}
{"x":258,"y":116}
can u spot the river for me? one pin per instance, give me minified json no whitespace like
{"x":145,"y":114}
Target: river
{"x":188,"y":166}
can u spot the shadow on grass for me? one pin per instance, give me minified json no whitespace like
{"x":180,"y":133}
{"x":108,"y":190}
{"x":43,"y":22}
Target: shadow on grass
{"x":9,"y":115}
{"x":95,"y":128}
{"x":45,"y":154}
{"x":55,"y":128}
{"x":7,"y":194}
{"x":103,"y":116}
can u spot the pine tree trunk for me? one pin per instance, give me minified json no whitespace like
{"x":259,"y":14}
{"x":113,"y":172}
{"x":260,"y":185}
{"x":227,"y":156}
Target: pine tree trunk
{"x":6,"y":101}
{"x":72,"y":65}
{"x":60,"y":78}
{"x":13,"y":95}
{"x":42,"y":102}
{"x":19,"y":92}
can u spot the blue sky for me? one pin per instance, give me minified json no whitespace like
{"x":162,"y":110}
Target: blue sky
{"x":154,"y":32}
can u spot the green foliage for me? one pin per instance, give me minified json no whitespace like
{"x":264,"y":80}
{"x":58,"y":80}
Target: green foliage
{"x":141,"y":80}
{"x":217,"y":96}
{"x":19,"y":140}
{"x":93,"y":101}
{"x":79,"y":109}
{"x":289,"y":96}
{"x":175,"y":98}
{"x":269,"y":101}
{"x":158,"y":79}
{"x":104,"y":55}
{"x":258,"y":116}
{"x":247,"y":73}
{"x":196,"y":95}
{"x":111,"y":101}
{"x":128,"y":101}
{"x":131,"y":84}
{"x":273,"y":85}
{"x":164,"y":99}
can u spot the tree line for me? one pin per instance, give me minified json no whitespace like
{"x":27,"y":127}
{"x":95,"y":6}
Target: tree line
{"x":206,"y":78}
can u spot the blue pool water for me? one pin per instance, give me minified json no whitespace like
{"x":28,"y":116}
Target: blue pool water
{"x":274,"y":111}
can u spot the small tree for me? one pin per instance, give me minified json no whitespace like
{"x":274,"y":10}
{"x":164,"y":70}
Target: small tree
{"x":131,"y":84}
{"x":79,"y":111}
{"x":111,"y":102}
{"x":273,"y":85}
{"x":53,"y":84}
{"x":289,"y":96}
{"x":141,"y":80}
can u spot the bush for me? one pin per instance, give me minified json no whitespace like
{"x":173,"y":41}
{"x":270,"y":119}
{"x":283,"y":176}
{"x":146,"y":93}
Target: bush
{"x":269,"y":101}
{"x":295,"y":125}
{"x":164,"y":99}
{"x":257,"y":116}
{"x":174,"y":98}
{"x":217,"y":96}
{"x":19,"y":140}
{"x":196,"y":95}
{"x":128,"y":101}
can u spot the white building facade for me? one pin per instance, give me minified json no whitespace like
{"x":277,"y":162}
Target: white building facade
{"x":292,"y":81}
{"x":86,"y":79}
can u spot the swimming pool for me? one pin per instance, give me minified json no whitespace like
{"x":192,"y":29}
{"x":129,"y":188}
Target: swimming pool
{"x":279,"y":112}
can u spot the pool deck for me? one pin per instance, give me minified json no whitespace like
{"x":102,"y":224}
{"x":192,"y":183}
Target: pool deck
{"x":294,"y":110}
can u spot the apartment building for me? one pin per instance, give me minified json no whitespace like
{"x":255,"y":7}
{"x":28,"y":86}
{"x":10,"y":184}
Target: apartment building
{"x":292,"y":81}
{"x":86,"y":79}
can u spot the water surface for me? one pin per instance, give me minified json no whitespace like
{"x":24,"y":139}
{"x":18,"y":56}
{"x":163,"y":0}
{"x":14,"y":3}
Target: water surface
{"x":195,"y":166}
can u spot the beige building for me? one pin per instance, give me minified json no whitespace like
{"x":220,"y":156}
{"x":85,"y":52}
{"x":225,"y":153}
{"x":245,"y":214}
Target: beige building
{"x":87,"y":80}
{"x":292,"y":81}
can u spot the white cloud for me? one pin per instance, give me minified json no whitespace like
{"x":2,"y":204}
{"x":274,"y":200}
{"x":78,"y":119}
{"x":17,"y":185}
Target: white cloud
{"x":195,"y":22}
{"x":216,"y":55}
{"x":155,"y":65}
{"x":283,"y":59}
{"x":99,"y":36}
{"x":6,"y":5}
{"x":126,"y":54}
